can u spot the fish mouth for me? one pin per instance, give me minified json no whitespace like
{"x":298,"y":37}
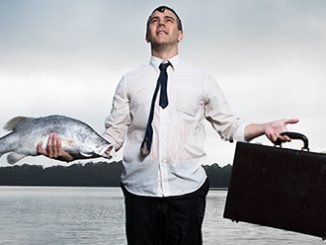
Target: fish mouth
{"x":108,"y":152}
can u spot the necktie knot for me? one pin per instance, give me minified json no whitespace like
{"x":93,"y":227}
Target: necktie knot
{"x":164,"y":66}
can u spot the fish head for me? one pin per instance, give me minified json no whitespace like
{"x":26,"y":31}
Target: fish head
{"x":103,"y":148}
{"x":94,"y":145}
{"x":106,"y":151}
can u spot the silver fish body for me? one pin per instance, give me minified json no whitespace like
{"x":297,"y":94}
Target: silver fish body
{"x":77,"y":138}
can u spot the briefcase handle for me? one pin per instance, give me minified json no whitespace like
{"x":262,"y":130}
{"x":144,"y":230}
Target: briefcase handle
{"x":295,"y":136}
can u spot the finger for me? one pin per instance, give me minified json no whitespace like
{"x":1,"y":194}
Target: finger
{"x":66,"y":156}
{"x":286,"y":138}
{"x":274,"y":136}
{"x":271,"y":134}
{"x":283,"y":138}
{"x":40,"y":149}
{"x":50,"y":146}
{"x":291,"y":121}
{"x":55,"y":149}
{"x":60,"y":151}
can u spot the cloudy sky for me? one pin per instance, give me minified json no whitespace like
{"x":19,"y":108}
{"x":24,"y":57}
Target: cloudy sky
{"x":67,"y":56}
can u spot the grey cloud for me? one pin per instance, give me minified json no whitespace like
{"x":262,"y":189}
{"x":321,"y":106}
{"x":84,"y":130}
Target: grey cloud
{"x":266,"y":55}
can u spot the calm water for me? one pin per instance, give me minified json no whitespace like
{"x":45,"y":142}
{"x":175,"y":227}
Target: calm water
{"x":77,"y":216}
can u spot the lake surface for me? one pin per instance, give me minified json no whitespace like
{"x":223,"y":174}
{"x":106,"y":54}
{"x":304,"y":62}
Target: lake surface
{"x":85,"y":215}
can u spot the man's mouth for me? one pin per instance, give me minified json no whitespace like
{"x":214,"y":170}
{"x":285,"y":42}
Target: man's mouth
{"x":161,"y":32}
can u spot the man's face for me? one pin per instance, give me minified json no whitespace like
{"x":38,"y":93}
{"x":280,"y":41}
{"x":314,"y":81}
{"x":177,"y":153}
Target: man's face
{"x":163,"y":29}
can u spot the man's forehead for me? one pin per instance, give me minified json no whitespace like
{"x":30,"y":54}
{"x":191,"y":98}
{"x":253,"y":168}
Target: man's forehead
{"x":165,"y":12}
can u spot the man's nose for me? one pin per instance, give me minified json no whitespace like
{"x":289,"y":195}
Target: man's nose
{"x":161,"y":23}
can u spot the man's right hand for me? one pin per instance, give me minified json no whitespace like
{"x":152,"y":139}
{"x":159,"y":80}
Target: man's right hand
{"x":54,"y":149}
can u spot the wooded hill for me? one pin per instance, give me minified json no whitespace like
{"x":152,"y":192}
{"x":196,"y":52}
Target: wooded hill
{"x":89,"y":174}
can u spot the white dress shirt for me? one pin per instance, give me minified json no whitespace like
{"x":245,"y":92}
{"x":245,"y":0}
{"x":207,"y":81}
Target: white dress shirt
{"x":173,"y":166}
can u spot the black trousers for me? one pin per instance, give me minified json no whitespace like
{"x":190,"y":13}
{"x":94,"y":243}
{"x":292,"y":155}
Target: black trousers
{"x":173,"y":220}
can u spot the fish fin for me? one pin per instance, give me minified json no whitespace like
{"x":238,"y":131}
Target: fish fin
{"x":14,"y":157}
{"x":85,"y":151}
{"x":86,"y":154}
{"x":11,"y":124}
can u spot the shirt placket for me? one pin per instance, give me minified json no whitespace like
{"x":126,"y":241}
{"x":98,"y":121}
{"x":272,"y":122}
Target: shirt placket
{"x":163,"y":150}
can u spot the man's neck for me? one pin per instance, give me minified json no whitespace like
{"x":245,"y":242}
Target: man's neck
{"x":164,"y":53}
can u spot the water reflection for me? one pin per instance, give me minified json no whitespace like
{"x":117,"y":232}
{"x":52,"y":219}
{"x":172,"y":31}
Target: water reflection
{"x":69,"y":216}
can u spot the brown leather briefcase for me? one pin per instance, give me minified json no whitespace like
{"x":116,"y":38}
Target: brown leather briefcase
{"x":278,"y":187}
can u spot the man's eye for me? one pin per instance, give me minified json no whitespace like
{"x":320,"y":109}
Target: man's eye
{"x":153,"y":21}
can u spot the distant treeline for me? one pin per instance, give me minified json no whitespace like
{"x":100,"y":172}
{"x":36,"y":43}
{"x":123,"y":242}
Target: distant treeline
{"x":89,"y":174}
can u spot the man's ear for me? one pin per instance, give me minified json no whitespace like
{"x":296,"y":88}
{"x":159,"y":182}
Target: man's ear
{"x":147,"y":39}
{"x":181,"y":36}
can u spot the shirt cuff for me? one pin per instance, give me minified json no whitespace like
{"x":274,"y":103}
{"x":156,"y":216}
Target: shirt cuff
{"x":239,"y":133}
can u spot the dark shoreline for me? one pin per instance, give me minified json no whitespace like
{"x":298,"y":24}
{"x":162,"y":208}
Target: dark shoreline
{"x":101,"y":174}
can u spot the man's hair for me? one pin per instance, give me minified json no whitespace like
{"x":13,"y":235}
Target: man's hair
{"x":162,"y":9}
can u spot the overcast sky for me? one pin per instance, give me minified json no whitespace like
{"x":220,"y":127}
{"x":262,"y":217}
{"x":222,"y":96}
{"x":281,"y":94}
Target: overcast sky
{"x":67,"y":56}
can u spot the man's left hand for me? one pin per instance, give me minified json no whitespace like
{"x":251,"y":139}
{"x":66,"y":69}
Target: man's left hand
{"x":274,"y":128}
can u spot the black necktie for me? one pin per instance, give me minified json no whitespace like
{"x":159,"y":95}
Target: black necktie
{"x":161,"y":82}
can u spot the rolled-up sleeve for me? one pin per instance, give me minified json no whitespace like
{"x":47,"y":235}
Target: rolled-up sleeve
{"x":116,"y":124}
{"x":218,"y":113}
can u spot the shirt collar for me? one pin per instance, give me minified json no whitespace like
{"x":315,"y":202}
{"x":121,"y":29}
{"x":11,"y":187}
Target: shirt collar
{"x":155,"y":62}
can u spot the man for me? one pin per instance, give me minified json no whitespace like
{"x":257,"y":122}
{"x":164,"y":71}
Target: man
{"x":161,"y":125}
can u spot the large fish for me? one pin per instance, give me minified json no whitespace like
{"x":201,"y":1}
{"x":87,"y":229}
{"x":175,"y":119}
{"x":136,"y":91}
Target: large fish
{"x":78,"y":138}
